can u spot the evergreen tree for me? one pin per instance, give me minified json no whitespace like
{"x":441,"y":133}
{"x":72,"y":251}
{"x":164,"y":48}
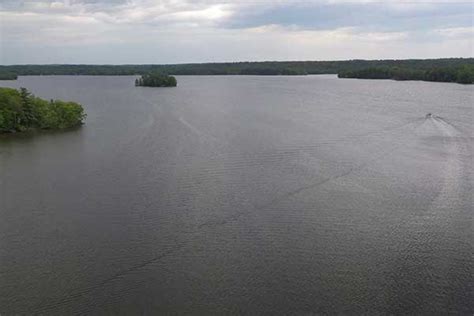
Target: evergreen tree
{"x":29,"y":115}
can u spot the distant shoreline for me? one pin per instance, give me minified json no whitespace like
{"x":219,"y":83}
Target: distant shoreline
{"x":460,"y":70}
{"x":232,"y":68}
{"x":463,"y":74}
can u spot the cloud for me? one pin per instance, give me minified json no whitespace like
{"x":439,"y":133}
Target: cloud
{"x":455,"y":32}
{"x":152,"y":31}
{"x":364,"y":15}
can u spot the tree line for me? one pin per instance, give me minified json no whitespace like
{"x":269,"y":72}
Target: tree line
{"x":237,"y":68}
{"x":461,"y":74}
{"x":8,"y":75}
{"x":21,"y":111}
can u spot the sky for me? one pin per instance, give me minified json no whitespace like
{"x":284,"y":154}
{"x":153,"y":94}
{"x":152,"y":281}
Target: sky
{"x":185,"y":31}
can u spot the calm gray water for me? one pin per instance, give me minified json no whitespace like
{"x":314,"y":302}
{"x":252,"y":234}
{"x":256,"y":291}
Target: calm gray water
{"x":241,"y":195}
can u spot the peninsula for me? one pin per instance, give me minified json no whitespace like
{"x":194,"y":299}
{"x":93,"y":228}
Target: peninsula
{"x":460,"y":74}
{"x":22,"y":111}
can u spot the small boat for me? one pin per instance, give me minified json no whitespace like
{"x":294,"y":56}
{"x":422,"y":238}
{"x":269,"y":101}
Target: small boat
{"x":429,"y":115}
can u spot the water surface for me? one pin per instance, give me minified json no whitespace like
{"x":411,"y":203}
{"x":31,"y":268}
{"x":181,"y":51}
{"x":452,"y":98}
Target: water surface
{"x":260,"y":195}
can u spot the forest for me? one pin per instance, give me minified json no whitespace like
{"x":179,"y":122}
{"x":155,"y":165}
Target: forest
{"x":156,"y":79}
{"x":237,"y":68}
{"x":8,"y":75}
{"x":460,"y":74}
{"x":22,"y":111}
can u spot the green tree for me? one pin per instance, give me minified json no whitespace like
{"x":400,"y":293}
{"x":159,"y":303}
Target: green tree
{"x":465,"y":75}
{"x":29,"y":116}
{"x":20,"y":110}
{"x":156,"y":79}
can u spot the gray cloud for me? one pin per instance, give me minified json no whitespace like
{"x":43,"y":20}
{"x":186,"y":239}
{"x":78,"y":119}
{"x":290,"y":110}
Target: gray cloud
{"x":138,"y":31}
{"x":372,"y":16}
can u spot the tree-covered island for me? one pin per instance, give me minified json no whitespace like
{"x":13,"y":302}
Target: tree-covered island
{"x":21,"y":111}
{"x":156,"y":79}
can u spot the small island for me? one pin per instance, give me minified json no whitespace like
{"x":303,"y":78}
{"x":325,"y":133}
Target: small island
{"x":156,"y":80}
{"x":463,"y":74}
{"x":22,"y":111}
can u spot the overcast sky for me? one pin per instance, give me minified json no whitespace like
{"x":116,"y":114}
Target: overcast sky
{"x":181,"y":31}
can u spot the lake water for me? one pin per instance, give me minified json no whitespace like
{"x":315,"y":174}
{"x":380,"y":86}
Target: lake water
{"x":241,"y":195}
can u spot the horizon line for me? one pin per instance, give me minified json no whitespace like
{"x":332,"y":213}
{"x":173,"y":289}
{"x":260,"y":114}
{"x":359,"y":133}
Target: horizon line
{"x":232,"y":62}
